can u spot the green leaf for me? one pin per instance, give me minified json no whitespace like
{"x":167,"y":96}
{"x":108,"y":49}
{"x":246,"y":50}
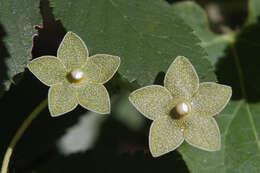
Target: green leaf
{"x":215,"y":45}
{"x":17,"y":20}
{"x":253,"y":11}
{"x":146,"y":38}
{"x":239,"y":122}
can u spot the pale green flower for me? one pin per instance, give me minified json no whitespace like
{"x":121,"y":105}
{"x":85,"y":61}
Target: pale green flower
{"x":182,"y":109}
{"x":74,"y":77}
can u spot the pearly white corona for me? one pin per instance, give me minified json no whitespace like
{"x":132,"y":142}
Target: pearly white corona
{"x":183,"y":108}
{"x":77,"y":74}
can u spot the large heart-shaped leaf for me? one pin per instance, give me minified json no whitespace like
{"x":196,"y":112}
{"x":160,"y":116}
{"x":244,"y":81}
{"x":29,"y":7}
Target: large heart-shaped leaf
{"x":147,"y":35}
{"x":239,"y":122}
{"x":17,"y":20}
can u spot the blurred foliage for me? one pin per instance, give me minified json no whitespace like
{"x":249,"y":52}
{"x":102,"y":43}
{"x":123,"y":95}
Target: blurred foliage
{"x":119,"y":141}
{"x":196,"y":17}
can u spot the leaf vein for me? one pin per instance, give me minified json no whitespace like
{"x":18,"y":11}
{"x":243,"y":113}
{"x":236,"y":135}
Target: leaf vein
{"x":250,"y":116}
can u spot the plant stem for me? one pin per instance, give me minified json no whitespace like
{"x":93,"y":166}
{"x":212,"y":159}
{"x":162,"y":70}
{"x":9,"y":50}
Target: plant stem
{"x":19,"y":134}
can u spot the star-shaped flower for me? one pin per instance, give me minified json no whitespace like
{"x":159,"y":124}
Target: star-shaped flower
{"x":74,"y":77}
{"x":182,"y":109}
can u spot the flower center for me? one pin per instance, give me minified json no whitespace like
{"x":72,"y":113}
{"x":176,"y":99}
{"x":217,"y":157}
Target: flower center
{"x":76,"y":76}
{"x":182,"y":109}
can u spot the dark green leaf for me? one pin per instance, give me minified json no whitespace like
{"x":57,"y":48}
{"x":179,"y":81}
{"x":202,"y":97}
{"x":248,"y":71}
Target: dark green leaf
{"x":17,"y":20}
{"x":145,"y":34}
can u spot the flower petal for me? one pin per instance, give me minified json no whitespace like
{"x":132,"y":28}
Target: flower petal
{"x":181,"y":78}
{"x":165,"y":136}
{"x":203,"y":133}
{"x":62,"y":99}
{"x":152,"y":101}
{"x":94,"y":97}
{"x":211,"y":98}
{"x":100,"y":68}
{"x":48,"y":69}
{"x":72,"y":51}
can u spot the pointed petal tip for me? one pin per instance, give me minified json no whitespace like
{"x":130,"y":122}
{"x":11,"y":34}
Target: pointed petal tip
{"x":119,"y":61}
{"x":218,"y":148}
{"x":67,"y":34}
{"x":180,"y":56}
{"x":212,"y":149}
{"x":70,"y":32}
{"x":230,"y":92}
{"x":106,"y":112}
{"x":183,"y":58}
{"x":154,"y":154}
{"x":53,"y":115}
{"x":230,"y":89}
{"x":28,"y":65}
{"x":74,"y":34}
{"x":130,"y":96}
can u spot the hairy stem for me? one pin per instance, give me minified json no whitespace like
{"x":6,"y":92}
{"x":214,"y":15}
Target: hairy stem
{"x":19,"y":133}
